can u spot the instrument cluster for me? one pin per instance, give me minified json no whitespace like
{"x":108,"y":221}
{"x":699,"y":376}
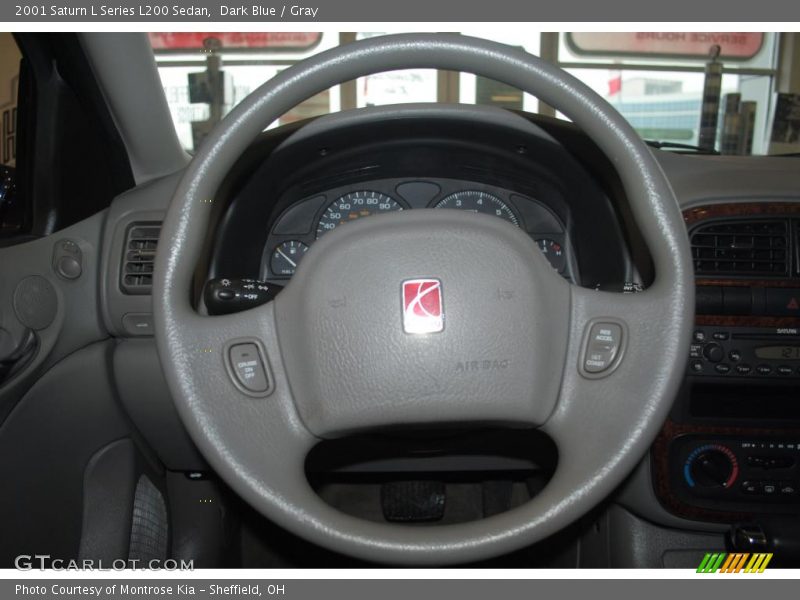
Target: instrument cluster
{"x":308,"y":219}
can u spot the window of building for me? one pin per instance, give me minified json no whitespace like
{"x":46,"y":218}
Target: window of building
{"x":10,"y":212}
{"x":656,"y":80}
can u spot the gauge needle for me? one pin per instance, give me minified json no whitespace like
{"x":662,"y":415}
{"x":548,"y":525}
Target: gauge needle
{"x":289,"y":260}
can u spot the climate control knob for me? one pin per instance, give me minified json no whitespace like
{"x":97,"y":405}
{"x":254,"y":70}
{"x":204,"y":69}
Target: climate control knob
{"x":711,"y":466}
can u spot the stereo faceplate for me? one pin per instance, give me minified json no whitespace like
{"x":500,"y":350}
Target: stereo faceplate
{"x":745,"y":352}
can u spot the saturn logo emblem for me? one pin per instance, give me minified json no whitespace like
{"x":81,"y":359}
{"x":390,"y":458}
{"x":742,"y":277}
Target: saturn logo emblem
{"x":422,"y":306}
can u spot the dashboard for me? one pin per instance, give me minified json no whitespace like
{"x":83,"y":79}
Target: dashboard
{"x":734,"y":430}
{"x":287,"y":193}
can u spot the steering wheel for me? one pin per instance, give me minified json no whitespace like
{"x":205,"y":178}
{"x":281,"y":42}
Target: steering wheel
{"x":491,"y":335}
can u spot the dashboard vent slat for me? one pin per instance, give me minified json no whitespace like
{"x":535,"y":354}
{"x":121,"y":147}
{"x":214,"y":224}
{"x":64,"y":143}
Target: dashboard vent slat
{"x":139,"y":258}
{"x":757,"y":248}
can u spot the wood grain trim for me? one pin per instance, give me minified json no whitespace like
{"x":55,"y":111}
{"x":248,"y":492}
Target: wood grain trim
{"x":735,"y":321}
{"x":773,"y":283}
{"x":660,"y":463}
{"x":744,"y":209}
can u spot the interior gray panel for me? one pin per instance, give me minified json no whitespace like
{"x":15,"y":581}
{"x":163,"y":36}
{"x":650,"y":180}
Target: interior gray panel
{"x":63,"y":311}
{"x":636,"y":544}
{"x":638,"y":497}
{"x":108,"y":492}
{"x":144,"y":393}
{"x":124,"y":63}
{"x":711,"y":179}
{"x":53,"y":433}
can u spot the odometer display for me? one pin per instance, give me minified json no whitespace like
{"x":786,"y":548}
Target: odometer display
{"x":479,"y":202}
{"x":352,"y":206}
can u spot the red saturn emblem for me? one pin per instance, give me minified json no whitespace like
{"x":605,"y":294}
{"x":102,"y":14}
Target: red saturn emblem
{"x":422,"y":306}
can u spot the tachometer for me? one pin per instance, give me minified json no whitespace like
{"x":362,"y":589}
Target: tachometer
{"x":352,"y":206}
{"x":479,"y":202}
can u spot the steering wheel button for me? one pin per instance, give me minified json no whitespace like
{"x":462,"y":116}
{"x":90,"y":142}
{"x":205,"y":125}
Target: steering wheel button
{"x":248,"y":368}
{"x":603,"y":346}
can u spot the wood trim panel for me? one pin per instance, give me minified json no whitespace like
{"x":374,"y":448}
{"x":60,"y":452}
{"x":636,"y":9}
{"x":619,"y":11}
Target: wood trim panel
{"x":736,"y":321}
{"x":745,"y":209}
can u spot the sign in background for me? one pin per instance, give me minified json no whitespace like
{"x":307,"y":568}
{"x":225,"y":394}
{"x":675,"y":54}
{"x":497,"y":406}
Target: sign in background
{"x":683,"y":44}
{"x":184,"y":41}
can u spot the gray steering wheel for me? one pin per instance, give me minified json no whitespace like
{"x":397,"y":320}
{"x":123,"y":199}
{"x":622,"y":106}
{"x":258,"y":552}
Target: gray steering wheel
{"x":597,"y":371}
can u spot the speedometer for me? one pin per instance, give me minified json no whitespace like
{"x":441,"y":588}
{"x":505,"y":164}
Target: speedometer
{"x":479,"y":202}
{"x":352,"y":206}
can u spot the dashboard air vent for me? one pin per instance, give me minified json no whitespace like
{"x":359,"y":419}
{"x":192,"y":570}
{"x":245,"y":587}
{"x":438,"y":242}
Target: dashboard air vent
{"x":139,"y":257}
{"x":754,"y":248}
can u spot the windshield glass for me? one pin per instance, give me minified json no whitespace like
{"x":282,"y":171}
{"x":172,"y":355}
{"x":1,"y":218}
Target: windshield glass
{"x":711,"y":92}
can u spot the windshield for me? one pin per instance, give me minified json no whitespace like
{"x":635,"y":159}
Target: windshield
{"x":711,"y":92}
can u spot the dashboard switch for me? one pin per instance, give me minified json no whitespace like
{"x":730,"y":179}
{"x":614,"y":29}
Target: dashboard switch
{"x":67,"y":259}
{"x":737,"y":301}
{"x":228,"y":295}
{"x":602,"y":347}
{"x":248,"y":368}
{"x":751,"y":487}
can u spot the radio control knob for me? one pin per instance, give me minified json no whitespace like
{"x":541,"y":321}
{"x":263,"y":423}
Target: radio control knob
{"x":713,"y":352}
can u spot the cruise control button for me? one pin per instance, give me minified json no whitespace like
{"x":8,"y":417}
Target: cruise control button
{"x":603,"y":346}
{"x":247,"y":367}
